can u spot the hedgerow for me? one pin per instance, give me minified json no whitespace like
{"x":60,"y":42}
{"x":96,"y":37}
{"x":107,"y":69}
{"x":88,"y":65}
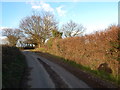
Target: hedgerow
{"x":93,"y":51}
{"x":13,"y":66}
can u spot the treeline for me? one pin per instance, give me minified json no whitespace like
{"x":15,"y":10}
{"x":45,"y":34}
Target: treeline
{"x":40,"y":27}
{"x":98,"y":51}
{"x":13,"y":66}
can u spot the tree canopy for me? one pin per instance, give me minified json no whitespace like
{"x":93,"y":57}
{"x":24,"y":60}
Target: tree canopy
{"x":39,"y":26}
{"x":72,"y":29}
{"x":13,"y":35}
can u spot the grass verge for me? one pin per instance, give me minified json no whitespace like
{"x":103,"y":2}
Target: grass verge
{"x":102,"y":74}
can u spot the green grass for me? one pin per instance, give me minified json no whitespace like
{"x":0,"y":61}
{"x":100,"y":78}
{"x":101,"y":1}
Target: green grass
{"x":13,"y":65}
{"x":102,"y":74}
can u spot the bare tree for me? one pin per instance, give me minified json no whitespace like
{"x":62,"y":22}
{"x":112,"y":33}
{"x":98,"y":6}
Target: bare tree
{"x":39,"y":26}
{"x":13,"y":35}
{"x":49,"y":24}
{"x":72,"y":29}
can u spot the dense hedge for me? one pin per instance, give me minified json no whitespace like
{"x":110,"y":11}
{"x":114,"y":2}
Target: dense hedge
{"x":93,"y":51}
{"x":13,"y":65}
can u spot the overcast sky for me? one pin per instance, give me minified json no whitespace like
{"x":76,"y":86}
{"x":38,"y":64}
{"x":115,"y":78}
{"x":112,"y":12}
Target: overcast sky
{"x":92,"y":15}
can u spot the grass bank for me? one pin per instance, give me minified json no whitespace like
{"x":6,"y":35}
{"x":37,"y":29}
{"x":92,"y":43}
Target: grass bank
{"x":102,"y":74}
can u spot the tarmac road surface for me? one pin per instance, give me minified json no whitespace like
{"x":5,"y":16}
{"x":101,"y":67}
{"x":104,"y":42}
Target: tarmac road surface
{"x":46,"y":74}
